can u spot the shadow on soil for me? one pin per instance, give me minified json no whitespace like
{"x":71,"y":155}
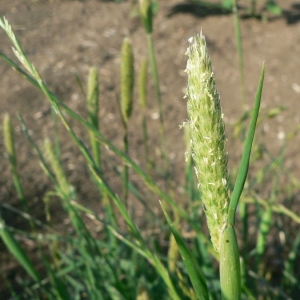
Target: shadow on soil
{"x":200,"y":10}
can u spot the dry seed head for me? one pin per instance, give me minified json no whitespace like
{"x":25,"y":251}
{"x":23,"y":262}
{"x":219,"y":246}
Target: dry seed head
{"x":207,"y":136}
{"x":127,"y":79}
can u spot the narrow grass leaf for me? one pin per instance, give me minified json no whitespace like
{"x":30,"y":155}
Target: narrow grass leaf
{"x":9,"y":142}
{"x":14,"y":247}
{"x":197,"y":278}
{"x":159,"y":98}
{"x":244,"y":165}
{"x":93,"y":109}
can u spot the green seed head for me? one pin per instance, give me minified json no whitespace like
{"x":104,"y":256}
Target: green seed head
{"x":56,"y":167}
{"x":146,"y":14}
{"x":93,"y":95}
{"x":143,"y":77}
{"x":127,"y":79}
{"x":207,"y":136}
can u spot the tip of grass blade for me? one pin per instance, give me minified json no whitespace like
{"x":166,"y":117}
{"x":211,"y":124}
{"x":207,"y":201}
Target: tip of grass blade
{"x":244,"y":165}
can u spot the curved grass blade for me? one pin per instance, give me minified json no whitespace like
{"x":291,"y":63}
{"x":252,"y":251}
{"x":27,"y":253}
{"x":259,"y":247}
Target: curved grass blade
{"x":193,"y":269}
{"x":17,"y":251}
{"x":244,"y":165}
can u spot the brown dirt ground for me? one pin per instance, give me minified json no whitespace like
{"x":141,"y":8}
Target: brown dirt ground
{"x":65,"y":38}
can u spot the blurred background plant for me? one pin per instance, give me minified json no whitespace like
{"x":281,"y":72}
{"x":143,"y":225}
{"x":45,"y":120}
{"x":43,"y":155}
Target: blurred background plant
{"x":248,"y":9}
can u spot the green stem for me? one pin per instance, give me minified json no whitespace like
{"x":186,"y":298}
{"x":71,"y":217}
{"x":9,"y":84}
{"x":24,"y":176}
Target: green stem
{"x":125,"y":168}
{"x":253,"y":8}
{"x":239,"y":44}
{"x":158,"y":97}
{"x":145,"y":142}
{"x":230,"y":270}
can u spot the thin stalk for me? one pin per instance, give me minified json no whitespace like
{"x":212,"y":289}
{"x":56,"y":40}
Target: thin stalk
{"x":9,"y":142}
{"x":56,"y":133}
{"x":11,"y":152}
{"x":266,"y":219}
{"x":93,"y":109}
{"x":145,"y":141}
{"x":125,"y":167}
{"x":253,"y":8}
{"x":158,"y":97}
{"x":243,"y":209}
{"x":239,"y":44}
{"x":143,"y":80}
{"x":173,"y":251}
{"x":93,"y":103}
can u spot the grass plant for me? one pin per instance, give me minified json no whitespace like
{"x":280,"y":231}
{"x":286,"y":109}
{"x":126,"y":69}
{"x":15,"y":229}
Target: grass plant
{"x":146,"y":12}
{"x":127,"y":84}
{"x":143,"y":80}
{"x":11,"y":152}
{"x":123,"y":262}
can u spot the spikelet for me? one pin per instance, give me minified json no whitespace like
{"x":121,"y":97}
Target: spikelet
{"x":56,"y":167}
{"x":207,"y":136}
{"x":93,"y":96}
{"x":127,"y":79}
{"x":146,"y":14}
{"x":143,"y":78}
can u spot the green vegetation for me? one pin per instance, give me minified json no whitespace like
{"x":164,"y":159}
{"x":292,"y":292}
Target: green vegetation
{"x":251,"y":10}
{"x":122,"y":262}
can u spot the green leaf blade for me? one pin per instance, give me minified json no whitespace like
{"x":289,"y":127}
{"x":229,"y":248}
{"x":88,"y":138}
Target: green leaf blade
{"x":197,"y":278}
{"x":244,"y":165}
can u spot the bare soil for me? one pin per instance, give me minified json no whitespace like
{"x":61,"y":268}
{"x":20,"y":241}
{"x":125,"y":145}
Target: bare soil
{"x":65,"y":38}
